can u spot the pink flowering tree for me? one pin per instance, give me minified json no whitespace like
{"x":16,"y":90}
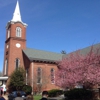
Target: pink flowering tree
{"x":77,"y":68}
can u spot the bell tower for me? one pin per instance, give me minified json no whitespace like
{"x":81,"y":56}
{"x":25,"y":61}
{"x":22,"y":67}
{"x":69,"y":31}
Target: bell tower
{"x":15,"y":42}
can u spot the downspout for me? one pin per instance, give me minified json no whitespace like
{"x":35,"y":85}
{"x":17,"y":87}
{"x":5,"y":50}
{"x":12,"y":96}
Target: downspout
{"x":32,"y":77}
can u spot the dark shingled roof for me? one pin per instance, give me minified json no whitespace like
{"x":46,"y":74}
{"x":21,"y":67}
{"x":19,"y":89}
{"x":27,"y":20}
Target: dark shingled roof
{"x":41,"y":55}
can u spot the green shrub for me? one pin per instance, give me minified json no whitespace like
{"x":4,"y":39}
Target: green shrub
{"x":55,"y":92}
{"x":16,"y":81}
{"x":78,"y":94}
{"x":27,"y":89}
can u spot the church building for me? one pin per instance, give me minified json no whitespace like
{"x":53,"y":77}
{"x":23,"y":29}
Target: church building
{"x":40,"y":65}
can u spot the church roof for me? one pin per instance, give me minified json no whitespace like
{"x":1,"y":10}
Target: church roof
{"x":41,"y":55}
{"x":86,"y":50}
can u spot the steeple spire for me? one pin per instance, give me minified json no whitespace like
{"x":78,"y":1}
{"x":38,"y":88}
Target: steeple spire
{"x":16,"y":14}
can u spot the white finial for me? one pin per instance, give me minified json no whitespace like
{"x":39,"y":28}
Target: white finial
{"x":17,"y":15}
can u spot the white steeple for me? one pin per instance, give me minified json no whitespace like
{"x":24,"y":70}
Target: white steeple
{"x":16,"y":14}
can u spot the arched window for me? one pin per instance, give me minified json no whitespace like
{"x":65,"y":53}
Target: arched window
{"x":8,"y":34}
{"x":18,"y":31}
{"x":6,"y":67}
{"x":52,"y":75}
{"x":39,"y":75}
{"x":17,"y":63}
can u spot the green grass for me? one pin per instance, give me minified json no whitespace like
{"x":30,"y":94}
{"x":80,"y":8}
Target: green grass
{"x":37,"y":97}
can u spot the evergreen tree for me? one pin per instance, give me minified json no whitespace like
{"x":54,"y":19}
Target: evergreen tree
{"x":17,"y":79}
{"x":63,"y":52}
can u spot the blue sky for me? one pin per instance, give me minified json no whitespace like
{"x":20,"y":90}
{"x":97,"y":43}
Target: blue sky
{"x":54,"y":25}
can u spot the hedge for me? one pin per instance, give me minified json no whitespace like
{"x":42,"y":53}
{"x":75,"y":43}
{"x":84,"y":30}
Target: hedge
{"x":55,"y":92}
{"x":79,"y":94}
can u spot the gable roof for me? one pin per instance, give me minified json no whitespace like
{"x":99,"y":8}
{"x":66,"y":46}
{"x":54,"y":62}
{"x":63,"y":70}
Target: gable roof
{"x":41,"y":55}
{"x":86,"y":50}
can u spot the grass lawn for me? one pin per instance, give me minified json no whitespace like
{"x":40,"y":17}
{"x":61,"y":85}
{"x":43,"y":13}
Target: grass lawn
{"x":37,"y":97}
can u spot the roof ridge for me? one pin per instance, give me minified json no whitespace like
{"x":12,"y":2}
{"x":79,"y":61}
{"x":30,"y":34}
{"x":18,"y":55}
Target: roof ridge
{"x":44,"y":50}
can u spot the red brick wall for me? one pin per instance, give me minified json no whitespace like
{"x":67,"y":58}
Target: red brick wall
{"x":13,"y":51}
{"x":46,"y":67}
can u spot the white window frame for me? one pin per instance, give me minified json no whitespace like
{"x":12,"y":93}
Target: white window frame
{"x":17,"y":63}
{"x":8,"y":34}
{"x":52,"y":72}
{"x":6,"y":67}
{"x":39,"y":76}
{"x":18,"y":32}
